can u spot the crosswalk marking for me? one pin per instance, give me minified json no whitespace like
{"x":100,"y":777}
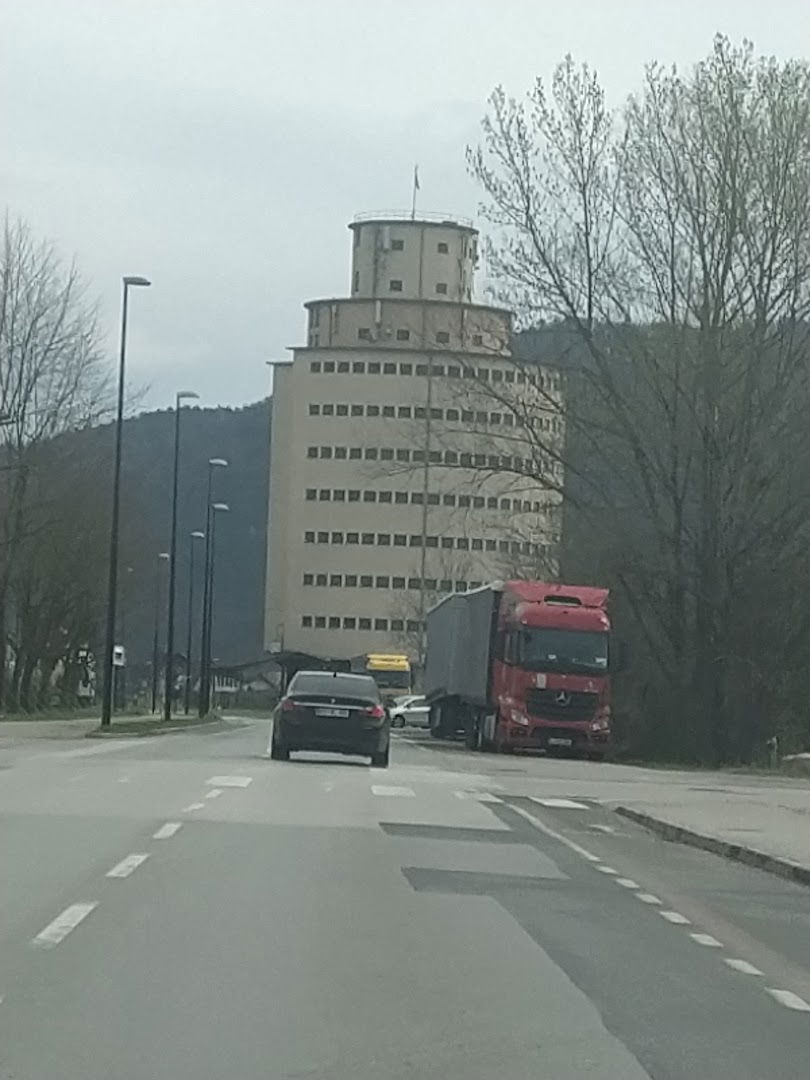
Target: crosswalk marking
{"x":392,"y":792}
{"x":559,"y":804}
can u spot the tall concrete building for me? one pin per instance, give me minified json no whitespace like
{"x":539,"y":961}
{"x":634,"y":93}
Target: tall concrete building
{"x":393,"y":477}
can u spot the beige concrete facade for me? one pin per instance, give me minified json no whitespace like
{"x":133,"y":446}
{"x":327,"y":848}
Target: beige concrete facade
{"x":394,"y":476}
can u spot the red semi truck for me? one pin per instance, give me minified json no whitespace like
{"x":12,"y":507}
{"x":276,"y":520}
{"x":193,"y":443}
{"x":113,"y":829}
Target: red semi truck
{"x":521,"y":664}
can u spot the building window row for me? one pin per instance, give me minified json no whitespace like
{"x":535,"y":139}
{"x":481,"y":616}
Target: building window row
{"x":420,"y":412}
{"x":544,"y":380}
{"x":403,"y":455}
{"x":414,"y":540}
{"x":351,"y":622}
{"x":385,"y":581}
{"x":417,"y":498}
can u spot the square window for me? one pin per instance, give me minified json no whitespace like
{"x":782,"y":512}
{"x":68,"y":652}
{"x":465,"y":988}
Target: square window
{"x":325,"y":494}
{"x":343,"y":367}
{"x":395,"y":285}
{"x":509,"y":376}
{"x":312,"y":451}
{"x":438,"y":369}
{"x":479,"y":460}
{"x":503,"y":547}
{"x":315,"y":367}
{"x":309,"y":537}
{"x":372,"y":410}
{"x":350,"y":581}
{"x":359,"y":367}
{"x":497,"y":375}
{"x":369,"y":496}
{"x":371,"y":453}
{"x":414,"y":583}
{"x":400,"y":497}
{"x":433,"y":498}
{"x":364,"y":624}
{"x":383,"y":581}
{"x":491,"y":545}
{"x":442,"y":247}
{"x":364,"y":333}
{"x":441,"y":288}
{"x":506,"y":504}
{"x":418,"y":455}
{"x":494,"y":461}
{"x":398,"y":583}
{"x":417,"y":498}
{"x":421,"y":369}
{"x":403,"y":455}
{"x":309,"y":579}
{"x":420,"y":412}
{"x":389,"y":369}
{"x":349,"y":622}
{"x":314,"y":410}
{"x":306,"y":621}
{"x":367,"y":538}
{"x":477,"y":339}
{"x":431,"y":583}
{"x":340,"y":453}
{"x":389,"y":411}
{"x":311,"y":494}
{"x":323,"y":537}
{"x":475,"y":584}
{"x":453,"y":414}
{"x":413,"y":626}
{"x":461,"y":586}
{"x":357,"y":410}
{"x":403,"y":335}
{"x":335,"y":581}
{"x":453,"y":372}
{"x":329,"y":367}
{"x":334,"y":622}
{"x":436,"y":414}
{"x":442,"y":337}
{"x":384,"y":539}
{"x":397,"y":245}
{"x":404,"y":412}
{"x":381,"y":624}
{"x":481,"y":417}
{"x":467,"y":415}
{"x":450,"y":457}
{"x":447,"y":542}
{"x":352,"y":538}
{"x":416,"y":540}
{"x":406,"y":369}
{"x":492,"y":503}
{"x":385,"y":496}
{"x":483,"y":374}
{"x":478,"y":502}
{"x":449,"y":500}
{"x":495,"y":418}
{"x":354,"y":495}
{"x":366,"y":581}
{"x":400,"y":540}
{"x":478,"y":545}
{"x":446,"y":585}
{"x":339,"y":495}
{"x":320,"y":579}
{"x":397,"y":624}
{"x":320,"y":621}
{"x":328,"y":410}
{"x":435,"y":457}
{"x":386,"y":453}
{"x":355,"y":453}
{"x":342,"y":410}
{"x":326,"y":452}
{"x":466,"y":460}
{"x":337,"y":537}
{"x":464,"y":500}
{"x":374,"y":368}
{"x":431,"y":541}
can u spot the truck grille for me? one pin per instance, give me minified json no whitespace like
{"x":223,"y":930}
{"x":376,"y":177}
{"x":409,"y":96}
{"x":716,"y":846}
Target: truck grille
{"x":561,"y":705}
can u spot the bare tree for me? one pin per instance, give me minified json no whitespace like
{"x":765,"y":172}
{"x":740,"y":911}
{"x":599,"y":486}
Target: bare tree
{"x":666,"y":254}
{"x":52,"y":379}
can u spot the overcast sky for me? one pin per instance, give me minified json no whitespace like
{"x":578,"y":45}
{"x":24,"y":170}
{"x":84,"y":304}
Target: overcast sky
{"x":220,"y":146}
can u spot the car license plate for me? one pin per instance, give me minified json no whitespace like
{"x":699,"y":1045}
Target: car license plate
{"x":341,"y":713}
{"x":560,"y":742}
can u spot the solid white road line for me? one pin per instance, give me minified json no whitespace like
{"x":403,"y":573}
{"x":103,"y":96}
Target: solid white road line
{"x":789,"y":999}
{"x":742,"y":965}
{"x":707,"y":940}
{"x":559,"y":804}
{"x":674,"y":917}
{"x":393,"y":792}
{"x":603,"y":828}
{"x":192,"y":806}
{"x":62,"y":925}
{"x":627,"y":883}
{"x":606,"y":870}
{"x":214,"y":793}
{"x":647,"y":898}
{"x":487,"y":797}
{"x":127,"y":865}
{"x":229,"y":781}
{"x":572,"y":844}
{"x":167,"y":830}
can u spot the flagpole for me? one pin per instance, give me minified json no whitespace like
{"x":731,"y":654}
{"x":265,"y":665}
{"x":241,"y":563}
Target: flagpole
{"x":415,"y":189}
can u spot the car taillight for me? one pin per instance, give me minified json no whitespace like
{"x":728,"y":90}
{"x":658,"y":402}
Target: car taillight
{"x":377,"y":711}
{"x":287,"y":704}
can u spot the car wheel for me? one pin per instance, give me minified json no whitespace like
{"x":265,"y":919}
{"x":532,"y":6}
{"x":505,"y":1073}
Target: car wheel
{"x":380,"y":760}
{"x":279,"y":753}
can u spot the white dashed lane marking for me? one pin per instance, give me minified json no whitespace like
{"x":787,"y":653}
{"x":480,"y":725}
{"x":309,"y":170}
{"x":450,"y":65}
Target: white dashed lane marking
{"x":193,"y":806}
{"x":707,"y":940}
{"x":62,"y":925}
{"x":167,"y":830}
{"x":627,"y":883}
{"x":559,"y":804}
{"x":647,"y":898}
{"x":606,"y":870}
{"x":214,"y":793}
{"x":393,"y":792}
{"x":229,"y":781}
{"x":789,"y":999}
{"x":742,"y":965}
{"x":674,"y":917}
{"x":127,"y":865}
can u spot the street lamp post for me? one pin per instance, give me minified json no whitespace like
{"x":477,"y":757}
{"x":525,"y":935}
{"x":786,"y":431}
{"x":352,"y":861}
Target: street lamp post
{"x":187,"y":695}
{"x":215,"y":509}
{"x":213,"y":463}
{"x":183,"y":395}
{"x":112,"y":582}
{"x":162,"y":557}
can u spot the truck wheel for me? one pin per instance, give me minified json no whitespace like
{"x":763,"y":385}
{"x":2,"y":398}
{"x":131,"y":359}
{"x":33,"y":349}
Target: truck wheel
{"x":499,"y":744}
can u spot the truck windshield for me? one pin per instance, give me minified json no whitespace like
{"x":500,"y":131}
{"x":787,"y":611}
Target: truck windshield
{"x":392,"y":680}
{"x":584,"y":651}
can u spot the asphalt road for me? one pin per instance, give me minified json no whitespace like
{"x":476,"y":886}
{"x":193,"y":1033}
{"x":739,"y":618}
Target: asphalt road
{"x":182,"y":907}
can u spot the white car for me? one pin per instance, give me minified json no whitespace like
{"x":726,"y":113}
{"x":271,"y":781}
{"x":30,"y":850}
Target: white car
{"x":412,"y":710}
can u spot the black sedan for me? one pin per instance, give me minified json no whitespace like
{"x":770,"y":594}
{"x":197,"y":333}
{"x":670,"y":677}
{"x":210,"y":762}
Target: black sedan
{"x":331,"y":712}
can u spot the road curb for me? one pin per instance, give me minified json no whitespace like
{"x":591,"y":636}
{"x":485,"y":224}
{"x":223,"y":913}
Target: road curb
{"x":772,"y":864}
{"x":157,"y":730}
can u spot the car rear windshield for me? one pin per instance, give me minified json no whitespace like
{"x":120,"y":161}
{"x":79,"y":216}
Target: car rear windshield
{"x":356,"y":686}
